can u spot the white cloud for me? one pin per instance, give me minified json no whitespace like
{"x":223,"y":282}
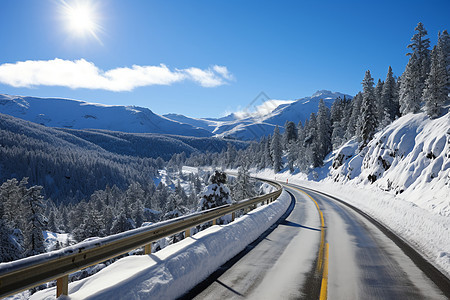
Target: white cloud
{"x":83,"y":74}
{"x":261,"y":110}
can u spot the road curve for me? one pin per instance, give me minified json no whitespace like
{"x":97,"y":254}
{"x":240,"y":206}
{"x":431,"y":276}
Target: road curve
{"x":291,"y":260}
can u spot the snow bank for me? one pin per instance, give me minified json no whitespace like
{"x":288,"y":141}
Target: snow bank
{"x":176,"y":269}
{"x":424,"y":230}
{"x":409,"y":158}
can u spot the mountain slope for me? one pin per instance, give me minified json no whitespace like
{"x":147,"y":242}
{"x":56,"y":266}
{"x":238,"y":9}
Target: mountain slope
{"x":410,"y":158}
{"x":65,"y":113}
{"x":72,"y":164}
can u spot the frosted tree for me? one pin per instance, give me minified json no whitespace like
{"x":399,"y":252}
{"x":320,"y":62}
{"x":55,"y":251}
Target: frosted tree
{"x":268,"y":154}
{"x":436,"y":93}
{"x":243,"y":188}
{"x":389,"y":99}
{"x":379,"y":102}
{"x":33,"y":235}
{"x":302,"y":162}
{"x":290,"y":132}
{"x":421,"y":47}
{"x":416,"y":72}
{"x":312,"y":143}
{"x":411,"y":87}
{"x":276,"y":150}
{"x":216,"y":193}
{"x":324,"y":145}
{"x":353,"y":120}
{"x":292,"y":153}
{"x":368,"y":111}
{"x":444,"y":45}
{"x":9,"y":249}
{"x":121,"y":223}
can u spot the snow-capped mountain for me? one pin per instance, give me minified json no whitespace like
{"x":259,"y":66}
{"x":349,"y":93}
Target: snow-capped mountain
{"x":255,"y":125}
{"x":75,"y":114}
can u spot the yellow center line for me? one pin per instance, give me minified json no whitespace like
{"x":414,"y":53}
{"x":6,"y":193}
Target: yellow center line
{"x":324,"y":287}
{"x":323,"y":257}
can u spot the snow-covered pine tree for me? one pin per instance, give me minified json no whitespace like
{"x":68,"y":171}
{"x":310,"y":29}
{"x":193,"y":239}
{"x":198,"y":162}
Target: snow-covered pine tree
{"x":410,"y":87}
{"x":268,"y":154}
{"x":379,"y":101}
{"x":368,"y":111}
{"x":292,"y":151}
{"x":354,"y":117}
{"x":276,"y":150}
{"x":436,"y":93}
{"x":389,"y":99}
{"x":33,"y":235}
{"x":312,"y":143}
{"x":421,"y":47}
{"x":323,"y":131}
{"x":444,"y":45}
{"x":301,"y":151}
{"x":416,"y":72}
{"x":92,"y":225}
{"x":290,"y":132}
{"x":243,"y":188}
{"x":8,"y":248}
{"x":216,"y":193}
{"x":231,"y":155}
{"x":121,"y":223}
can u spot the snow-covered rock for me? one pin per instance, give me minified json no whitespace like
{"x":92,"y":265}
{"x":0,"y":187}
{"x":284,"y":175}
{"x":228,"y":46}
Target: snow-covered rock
{"x":409,"y":158}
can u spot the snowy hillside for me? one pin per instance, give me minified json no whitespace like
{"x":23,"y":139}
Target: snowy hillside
{"x":256,"y":125}
{"x":409,"y":158}
{"x":76,"y":114}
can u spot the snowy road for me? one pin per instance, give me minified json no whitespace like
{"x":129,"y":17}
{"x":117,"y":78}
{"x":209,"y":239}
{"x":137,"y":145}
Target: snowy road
{"x":289,"y":261}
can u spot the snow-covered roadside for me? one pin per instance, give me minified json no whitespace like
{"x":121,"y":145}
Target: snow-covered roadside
{"x":426,"y":231}
{"x":176,"y":269}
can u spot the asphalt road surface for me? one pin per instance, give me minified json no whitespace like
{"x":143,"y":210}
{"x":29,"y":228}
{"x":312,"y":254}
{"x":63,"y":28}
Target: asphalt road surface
{"x":324,"y":249}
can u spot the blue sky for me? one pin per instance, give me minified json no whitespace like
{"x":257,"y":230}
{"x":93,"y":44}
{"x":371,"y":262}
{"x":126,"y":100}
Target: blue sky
{"x":206,"y":58}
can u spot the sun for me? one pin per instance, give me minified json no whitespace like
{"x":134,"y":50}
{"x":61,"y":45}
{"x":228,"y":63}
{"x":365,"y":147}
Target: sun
{"x":81,"y":18}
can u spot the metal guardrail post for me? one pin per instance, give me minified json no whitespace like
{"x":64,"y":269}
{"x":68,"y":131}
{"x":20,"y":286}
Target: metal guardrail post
{"x":233,"y":216}
{"x":148,"y":249}
{"x":62,"y":286}
{"x":187,"y":233}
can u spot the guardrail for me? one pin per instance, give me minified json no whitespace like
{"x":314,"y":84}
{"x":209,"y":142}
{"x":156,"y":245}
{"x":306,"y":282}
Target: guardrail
{"x":29,"y":272}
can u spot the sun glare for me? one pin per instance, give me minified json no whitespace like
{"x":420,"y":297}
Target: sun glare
{"x":81,"y":18}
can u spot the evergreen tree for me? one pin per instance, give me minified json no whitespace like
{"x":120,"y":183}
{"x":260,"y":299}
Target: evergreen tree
{"x":8,"y":248}
{"x":379,"y":100}
{"x":216,"y":193}
{"x":121,"y":223}
{"x":410,"y":87}
{"x":34,"y":238}
{"x":323,"y":131}
{"x":421,"y":47}
{"x":389,"y":99}
{"x":243,"y":188}
{"x":368,"y":111}
{"x":268,"y":154}
{"x":276,"y":150}
{"x":354,"y":117}
{"x":290,"y":132}
{"x":436,"y":93}
{"x":312,"y":143}
{"x":416,"y":72}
